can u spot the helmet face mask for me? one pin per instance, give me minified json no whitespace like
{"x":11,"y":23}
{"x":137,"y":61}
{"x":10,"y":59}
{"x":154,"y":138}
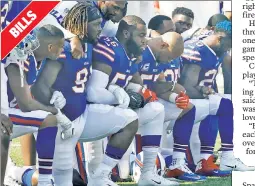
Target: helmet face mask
{"x":29,"y":44}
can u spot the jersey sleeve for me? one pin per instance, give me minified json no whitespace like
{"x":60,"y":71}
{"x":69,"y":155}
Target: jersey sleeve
{"x":104,"y":51}
{"x":191,"y":55}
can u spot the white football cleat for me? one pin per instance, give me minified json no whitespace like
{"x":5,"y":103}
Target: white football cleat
{"x":8,"y":181}
{"x":234,"y":164}
{"x":101,"y":179}
{"x":153,"y":179}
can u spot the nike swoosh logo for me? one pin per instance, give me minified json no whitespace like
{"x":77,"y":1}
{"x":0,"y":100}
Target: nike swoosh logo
{"x":133,"y":98}
{"x":232,"y":167}
{"x":156,"y":182}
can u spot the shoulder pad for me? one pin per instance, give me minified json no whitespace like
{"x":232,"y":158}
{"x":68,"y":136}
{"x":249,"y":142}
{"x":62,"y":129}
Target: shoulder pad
{"x":105,"y":50}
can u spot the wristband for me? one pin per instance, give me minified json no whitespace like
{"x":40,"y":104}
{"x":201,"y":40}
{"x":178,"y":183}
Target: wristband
{"x":173,"y":97}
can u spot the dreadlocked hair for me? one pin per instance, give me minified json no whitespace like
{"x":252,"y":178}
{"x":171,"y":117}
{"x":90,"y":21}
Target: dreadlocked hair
{"x":76,"y":21}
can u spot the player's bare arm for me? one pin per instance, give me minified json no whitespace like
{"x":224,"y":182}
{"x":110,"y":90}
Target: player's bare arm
{"x":227,"y":74}
{"x":42,"y":89}
{"x":162,"y":88}
{"x":23,"y":94}
{"x":189,"y":80}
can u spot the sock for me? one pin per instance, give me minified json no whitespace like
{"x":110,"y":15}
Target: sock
{"x":193,"y":152}
{"x":182,"y":131}
{"x":227,"y":154}
{"x":111,"y":158}
{"x":149,"y":159}
{"x":226,"y":124}
{"x":62,"y":177}
{"x":208,"y":133}
{"x":45,"y":146}
{"x":27,"y":177}
{"x":205,"y":156}
{"x":177,"y":159}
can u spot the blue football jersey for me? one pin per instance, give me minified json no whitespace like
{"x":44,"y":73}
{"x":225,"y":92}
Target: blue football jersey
{"x":149,"y":69}
{"x":72,"y":79}
{"x":196,"y":52}
{"x":10,"y":9}
{"x":172,"y":70}
{"x":108,"y":50}
{"x":32,"y":69}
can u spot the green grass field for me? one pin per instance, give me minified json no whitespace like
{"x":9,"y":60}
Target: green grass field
{"x":16,"y":157}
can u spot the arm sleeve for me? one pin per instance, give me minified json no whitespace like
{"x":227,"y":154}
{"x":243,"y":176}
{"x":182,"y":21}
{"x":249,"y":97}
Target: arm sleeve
{"x":97,"y":91}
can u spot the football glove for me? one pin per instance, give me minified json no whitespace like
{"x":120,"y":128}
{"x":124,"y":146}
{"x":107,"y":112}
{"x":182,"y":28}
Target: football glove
{"x":149,"y":95}
{"x":136,"y":100}
{"x":182,"y":100}
{"x":58,"y":100}
{"x":121,"y":95}
{"x":67,"y":129}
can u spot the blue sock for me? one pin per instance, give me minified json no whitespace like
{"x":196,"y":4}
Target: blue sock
{"x":45,"y":146}
{"x":27,"y":177}
{"x":182,"y":130}
{"x":208,"y":131}
{"x":226,"y":124}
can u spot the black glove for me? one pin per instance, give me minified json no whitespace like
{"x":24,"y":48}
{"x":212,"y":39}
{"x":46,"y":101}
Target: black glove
{"x":136,"y":100}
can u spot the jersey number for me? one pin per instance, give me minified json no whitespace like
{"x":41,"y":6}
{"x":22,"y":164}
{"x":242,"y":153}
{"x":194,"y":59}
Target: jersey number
{"x":81,"y":78}
{"x":172,"y":75}
{"x":147,"y":78}
{"x":122,"y":77}
{"x":209,"y":78}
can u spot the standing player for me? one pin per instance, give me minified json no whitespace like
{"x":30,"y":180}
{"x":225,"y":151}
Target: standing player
{"x":91,"y":121}
{"x":27,"y":114}
{"x":200,"y":61}
{"x":114,"y":64}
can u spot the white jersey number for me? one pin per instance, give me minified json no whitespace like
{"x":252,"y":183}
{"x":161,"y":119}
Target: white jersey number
{"x":81,"y":79}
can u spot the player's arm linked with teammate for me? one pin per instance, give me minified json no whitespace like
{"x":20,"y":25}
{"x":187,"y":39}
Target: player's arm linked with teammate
{"x":43,"y":92}
{"x":189,"y":79}
{"x":99,"y":89}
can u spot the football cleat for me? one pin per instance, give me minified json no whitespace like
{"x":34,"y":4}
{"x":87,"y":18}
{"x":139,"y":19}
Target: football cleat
{"x":180,"y":171}
{"x":153,"y":179}
{"x":101,"y":179}
{"x":209,"y":168}
{"x":234,"y":164}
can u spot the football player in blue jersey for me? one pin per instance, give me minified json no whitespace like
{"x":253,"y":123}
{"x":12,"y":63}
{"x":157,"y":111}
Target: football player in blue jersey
{"x":115,"y":71}
{"x":178,"y":110}
{"x":6,"y":124}
{"x":91,"y":121}
{"x":201,"y":33}
{"x":109,"y":10}
{"x":23,"y":65}
{"x":200,"y":61}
